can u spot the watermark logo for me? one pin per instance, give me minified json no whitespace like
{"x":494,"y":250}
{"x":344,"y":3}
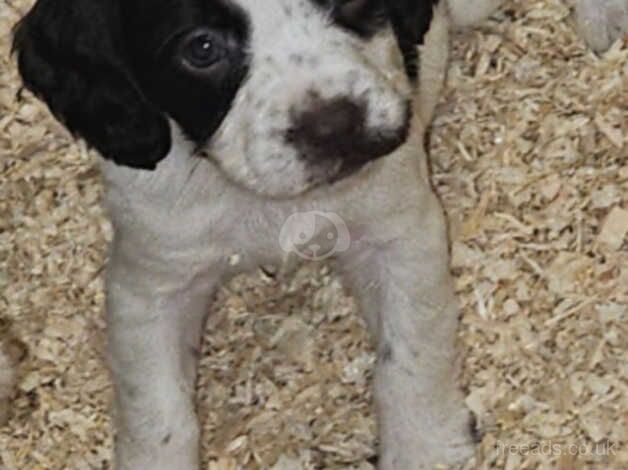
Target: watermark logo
{"x":549,"y":448}
{"x":314,"y":235}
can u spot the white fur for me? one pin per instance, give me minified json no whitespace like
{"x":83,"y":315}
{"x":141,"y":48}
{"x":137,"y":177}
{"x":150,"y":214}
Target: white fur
{"x":433,"y":59}
{"x":172,"y":250}
{"x":177,"y":229}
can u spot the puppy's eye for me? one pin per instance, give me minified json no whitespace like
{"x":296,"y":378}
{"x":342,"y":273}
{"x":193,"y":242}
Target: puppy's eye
{"x":202,"y":48}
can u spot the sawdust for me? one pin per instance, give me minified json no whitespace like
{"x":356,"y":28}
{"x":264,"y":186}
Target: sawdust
{"x":530,"y":157}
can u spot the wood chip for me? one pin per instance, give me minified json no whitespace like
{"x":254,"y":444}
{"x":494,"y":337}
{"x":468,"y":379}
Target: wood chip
{"x":614,"y":229}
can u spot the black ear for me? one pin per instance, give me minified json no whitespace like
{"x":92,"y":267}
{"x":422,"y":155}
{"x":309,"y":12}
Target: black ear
{"x":411,"y":20}
{"x":69,"y":54}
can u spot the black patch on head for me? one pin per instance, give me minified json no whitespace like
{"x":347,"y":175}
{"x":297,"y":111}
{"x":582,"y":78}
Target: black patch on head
{"x":110,"y":70}
{"x":163,"y":38}
{"x":362,"y":17}
{"x":411,"y":20}
{"x":70,"y":54}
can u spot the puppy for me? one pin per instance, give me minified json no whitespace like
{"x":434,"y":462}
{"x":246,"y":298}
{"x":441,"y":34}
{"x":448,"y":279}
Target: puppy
{"x":233,"y":133}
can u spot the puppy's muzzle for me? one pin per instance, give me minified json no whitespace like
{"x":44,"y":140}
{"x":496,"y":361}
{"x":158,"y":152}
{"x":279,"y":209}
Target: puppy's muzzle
{"x":332,"y":136}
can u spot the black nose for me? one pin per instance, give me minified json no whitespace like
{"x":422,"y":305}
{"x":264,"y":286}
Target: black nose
{"x":330,"y":121}
{"x":334,"y":131}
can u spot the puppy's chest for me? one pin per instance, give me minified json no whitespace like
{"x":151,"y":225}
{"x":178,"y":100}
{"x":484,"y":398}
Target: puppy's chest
{"x":249,"y":231}
{"x":193,"y":213}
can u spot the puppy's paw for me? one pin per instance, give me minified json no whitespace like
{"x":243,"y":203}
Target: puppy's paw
{"x":455,"y":444}
{"x":446,"y":438}
{"x":602,"y":22}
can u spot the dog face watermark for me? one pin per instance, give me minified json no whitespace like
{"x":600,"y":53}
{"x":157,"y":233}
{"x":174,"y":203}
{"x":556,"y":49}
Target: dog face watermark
{"x":314,"y":235}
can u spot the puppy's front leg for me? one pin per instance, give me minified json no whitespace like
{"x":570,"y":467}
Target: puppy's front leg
{"x":154,"y":326}
{"x":404,"y":287}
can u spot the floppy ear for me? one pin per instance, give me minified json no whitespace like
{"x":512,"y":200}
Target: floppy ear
{"x":411,"y":21}
{"x":69,"y":54}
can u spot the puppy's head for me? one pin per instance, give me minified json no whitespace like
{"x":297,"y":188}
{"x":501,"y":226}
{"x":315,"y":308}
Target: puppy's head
{"x":282,"y":95}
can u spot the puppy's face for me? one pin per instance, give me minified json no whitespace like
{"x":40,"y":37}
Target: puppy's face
{"x":282,"y":95}
{"x":326,"y":92}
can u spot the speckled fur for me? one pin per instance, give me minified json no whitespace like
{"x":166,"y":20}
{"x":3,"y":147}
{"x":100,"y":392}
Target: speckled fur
{"x":298,"y":56}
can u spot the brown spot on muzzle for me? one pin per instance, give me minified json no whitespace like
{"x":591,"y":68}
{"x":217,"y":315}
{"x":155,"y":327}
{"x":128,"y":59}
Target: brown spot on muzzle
{"x":334,"y":131}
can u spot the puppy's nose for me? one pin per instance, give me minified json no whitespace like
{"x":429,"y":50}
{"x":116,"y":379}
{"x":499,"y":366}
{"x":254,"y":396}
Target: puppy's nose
{"x":331,"y":121}
{"x":335,"y":131}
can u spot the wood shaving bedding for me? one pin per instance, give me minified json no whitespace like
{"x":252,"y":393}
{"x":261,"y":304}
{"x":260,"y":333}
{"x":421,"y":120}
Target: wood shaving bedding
{"x":530,"y":157}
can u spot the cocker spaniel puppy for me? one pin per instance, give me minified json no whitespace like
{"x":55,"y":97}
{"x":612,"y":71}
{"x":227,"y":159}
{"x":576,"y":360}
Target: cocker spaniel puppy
{"x":265,"y":129}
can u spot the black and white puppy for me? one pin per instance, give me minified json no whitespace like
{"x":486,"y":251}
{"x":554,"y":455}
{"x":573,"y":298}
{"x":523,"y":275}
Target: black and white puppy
{"x":220,"y":120}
